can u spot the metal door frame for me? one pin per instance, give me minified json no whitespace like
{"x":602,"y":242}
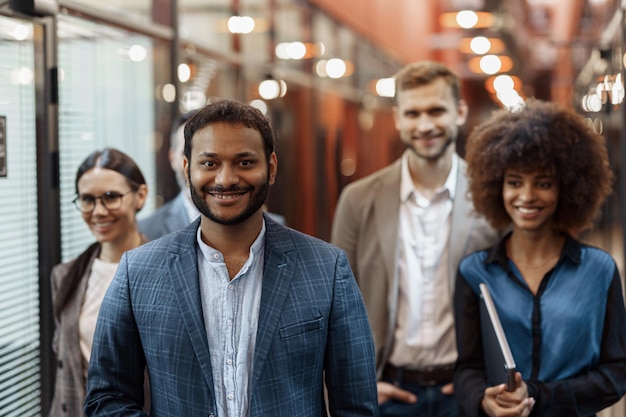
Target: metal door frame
{"x":48,"y":210}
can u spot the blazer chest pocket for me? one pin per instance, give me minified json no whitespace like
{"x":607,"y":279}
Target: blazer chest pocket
{"x":302,"y":328}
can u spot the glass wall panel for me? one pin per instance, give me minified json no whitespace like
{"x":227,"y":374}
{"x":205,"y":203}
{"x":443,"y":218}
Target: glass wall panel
{"x":206,"y":23}
{"x":106,"y":98}
{"x":19,"y":292}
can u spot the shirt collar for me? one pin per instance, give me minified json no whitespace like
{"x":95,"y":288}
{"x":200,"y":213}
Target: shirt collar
{"x":497,"y":254}
{"x":207,"y":251}
{"x":406,"y":183}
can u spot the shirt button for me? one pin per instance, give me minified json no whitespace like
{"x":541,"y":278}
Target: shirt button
{"x":229,"y":361}
{"x":231,"y":396}
{"x":216,"y":256}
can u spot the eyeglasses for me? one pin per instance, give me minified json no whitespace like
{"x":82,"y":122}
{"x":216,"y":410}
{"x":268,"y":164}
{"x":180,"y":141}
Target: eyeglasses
{"x":111,"y":200}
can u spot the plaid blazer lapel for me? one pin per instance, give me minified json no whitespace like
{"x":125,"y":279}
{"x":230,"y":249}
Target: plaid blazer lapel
{"x":278,"y":273}
{"x":183,"y":270}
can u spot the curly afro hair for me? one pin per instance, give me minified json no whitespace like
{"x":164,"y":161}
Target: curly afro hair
{"x":542,"y":136}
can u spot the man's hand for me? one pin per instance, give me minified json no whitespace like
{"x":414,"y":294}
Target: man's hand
{"x":448,"y":389}
{"x":387,"y":391}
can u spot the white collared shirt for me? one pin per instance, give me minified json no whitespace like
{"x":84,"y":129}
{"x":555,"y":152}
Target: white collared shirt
{"x":424,"y":334}
{"x":231,"y":317}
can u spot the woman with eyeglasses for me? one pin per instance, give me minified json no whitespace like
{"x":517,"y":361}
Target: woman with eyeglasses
{"x":110,"y":191}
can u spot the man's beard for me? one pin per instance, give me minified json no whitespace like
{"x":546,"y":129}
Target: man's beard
{"x":438,"y":155}
{"x":257,"y":199}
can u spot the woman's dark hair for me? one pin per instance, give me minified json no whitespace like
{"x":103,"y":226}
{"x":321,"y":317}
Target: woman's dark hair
{"x":115,"y":160}
{"x":542,"y":136}
{"x":233,"y":113}
{"x":108,"y":158}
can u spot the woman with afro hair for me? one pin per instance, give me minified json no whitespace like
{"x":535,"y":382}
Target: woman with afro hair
{"x":543,"y":173}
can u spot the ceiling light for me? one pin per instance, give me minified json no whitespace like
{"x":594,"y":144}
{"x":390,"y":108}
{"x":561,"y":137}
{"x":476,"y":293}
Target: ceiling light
{"x":480,"y":45}
{"x":467,"y":19}
{"x":184,"y":72}
{"x":386,"y":87}
{"x":336,"y":68}
{"x":296,"y":50}
{"x":240,"y":24}
{"x":137,"y":53}
{"x":490,"y":64}
{"x":503,"y":82}
{"x":269,"y":89}
{"x":260,"y":105}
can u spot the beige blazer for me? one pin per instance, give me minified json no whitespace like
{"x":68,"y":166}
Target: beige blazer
{"x":366,"y":227}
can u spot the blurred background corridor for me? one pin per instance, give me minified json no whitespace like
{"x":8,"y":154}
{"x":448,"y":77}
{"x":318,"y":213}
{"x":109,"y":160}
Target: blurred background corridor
{"x":78,"y":75}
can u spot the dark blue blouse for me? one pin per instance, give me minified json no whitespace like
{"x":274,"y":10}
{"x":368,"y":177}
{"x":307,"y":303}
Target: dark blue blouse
{"x":568,"y":340}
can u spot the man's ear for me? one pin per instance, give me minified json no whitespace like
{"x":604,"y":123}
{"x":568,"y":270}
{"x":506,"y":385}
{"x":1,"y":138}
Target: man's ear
{"x":186,"y":169}
{"x":273,"y":167}
{"x":462,"y":110}
{"x":394,"y":112}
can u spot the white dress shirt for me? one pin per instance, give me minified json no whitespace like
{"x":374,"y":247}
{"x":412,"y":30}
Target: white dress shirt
{"x":424,"y":334}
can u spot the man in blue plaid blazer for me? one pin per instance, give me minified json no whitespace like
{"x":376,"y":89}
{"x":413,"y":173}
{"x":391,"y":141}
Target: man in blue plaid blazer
{"x":234,"y":315}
